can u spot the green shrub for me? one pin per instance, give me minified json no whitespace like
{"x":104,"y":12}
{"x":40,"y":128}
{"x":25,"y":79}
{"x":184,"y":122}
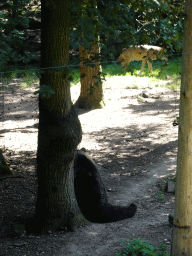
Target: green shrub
{"x":16,"y":50}
{"x":142,"y":248}
{"x":4,"y":169}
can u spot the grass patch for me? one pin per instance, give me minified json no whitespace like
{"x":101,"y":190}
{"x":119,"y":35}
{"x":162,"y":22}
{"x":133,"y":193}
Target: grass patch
{"x":172,"y":69}
{"x":160,"y":194}
{"x":140,"y":99}
{"x":171,"y":72}
{"x":114,"y":70}
{"x":75,"y":74}
{"x":142,"y":248}
{"x":134,"y":86}
{"x":31,"y":78}
{"x":21,"y":79}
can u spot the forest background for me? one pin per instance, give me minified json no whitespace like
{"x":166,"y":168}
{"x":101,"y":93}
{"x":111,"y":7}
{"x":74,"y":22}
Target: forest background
{"x":118,"y":24}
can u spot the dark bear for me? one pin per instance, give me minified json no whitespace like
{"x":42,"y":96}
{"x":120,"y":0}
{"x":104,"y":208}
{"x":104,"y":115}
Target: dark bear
{"x":91,"y":194}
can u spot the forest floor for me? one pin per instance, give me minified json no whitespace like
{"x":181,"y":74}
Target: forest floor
{"x":134,"y":143}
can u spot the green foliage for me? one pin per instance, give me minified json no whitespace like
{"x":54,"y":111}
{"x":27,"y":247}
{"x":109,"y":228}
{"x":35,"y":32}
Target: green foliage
{"x":120,"y":24}
{"x":113,"y":70}
{"x":5,"y":170}
{"x":160,"y":194}
{"x":14,"y":20}
{"x":29,"y":79}
{"x":174,"y":67}
{"x":45,"y":91}
{"x":172,"y":70}
{"x":142,"y":248}
{"x":140,"y":99}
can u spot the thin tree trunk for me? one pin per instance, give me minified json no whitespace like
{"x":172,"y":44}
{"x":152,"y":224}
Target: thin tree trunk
{"x":182,"y":224}
{"x":59,"y":127}
{"x":91,"y":95}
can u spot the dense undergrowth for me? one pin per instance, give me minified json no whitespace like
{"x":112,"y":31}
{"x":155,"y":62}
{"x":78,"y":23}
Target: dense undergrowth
{"x":142,"y":248}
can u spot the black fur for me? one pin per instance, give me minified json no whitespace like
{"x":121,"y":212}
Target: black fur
{"x":91,"y":194}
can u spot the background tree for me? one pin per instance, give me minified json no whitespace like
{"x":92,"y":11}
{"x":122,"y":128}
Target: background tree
{"x":119,"y":24}
{"x":127,"y":23}
{"x":91,"y":95}
{"x":182,"y":223}
{"x":59,"y":127}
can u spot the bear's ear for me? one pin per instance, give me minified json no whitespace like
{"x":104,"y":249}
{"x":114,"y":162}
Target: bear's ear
{"x":84,"y":165}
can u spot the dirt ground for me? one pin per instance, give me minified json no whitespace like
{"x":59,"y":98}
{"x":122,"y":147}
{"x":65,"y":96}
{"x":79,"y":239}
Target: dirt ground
{"x":133,"y":141}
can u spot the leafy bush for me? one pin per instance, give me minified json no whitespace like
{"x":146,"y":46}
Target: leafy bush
{"x":14,"y":20}
{"x":142,"y":248}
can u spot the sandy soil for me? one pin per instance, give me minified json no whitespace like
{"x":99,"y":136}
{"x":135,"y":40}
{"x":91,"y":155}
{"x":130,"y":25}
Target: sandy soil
{"x":134,"y":143}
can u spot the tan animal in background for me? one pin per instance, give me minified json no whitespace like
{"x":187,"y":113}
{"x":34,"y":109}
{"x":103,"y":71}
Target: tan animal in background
{"x":143,"y":53}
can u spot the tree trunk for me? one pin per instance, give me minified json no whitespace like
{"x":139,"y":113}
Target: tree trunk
{"x":182,"y":224}
{"x":59,"y":127}
{"x":91,"y":95}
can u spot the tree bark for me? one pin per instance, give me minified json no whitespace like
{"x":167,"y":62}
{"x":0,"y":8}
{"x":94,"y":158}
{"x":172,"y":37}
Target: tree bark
{"x":182,"y":224}
{"x":59,"y":126}
{"x":91,"y":95}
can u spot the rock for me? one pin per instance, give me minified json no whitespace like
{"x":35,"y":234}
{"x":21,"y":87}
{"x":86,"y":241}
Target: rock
{"x":170,"y":187}
{"x":144,"y":95}
{"x":171,"y":216}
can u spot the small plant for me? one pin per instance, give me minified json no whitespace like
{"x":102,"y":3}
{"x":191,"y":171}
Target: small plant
{"x":4,"y":169}
{"x":140,"y":99}
{"x":134,"y":86}
{"x":160,"y":194}
{"x":29,"y":79}
{"x":45,"y":90}
{"x":175,"y":87}
{"x":142,"y":248}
